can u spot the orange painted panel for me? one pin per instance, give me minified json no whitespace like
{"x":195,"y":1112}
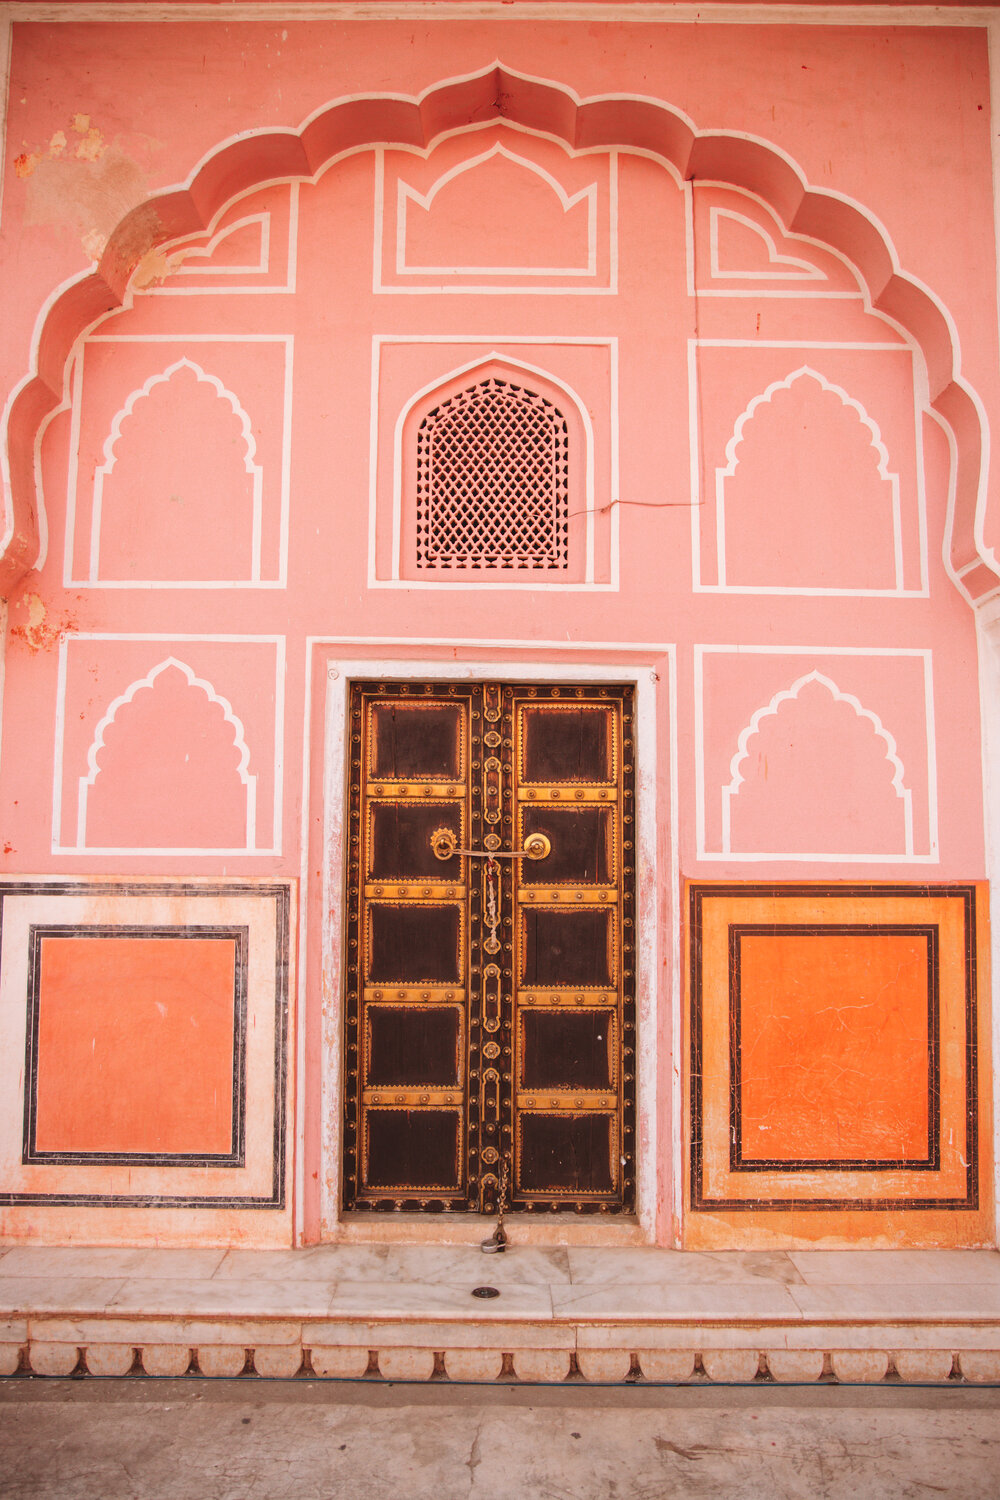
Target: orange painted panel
{"x":135,"y":1045}
{"x":833,"y":1054}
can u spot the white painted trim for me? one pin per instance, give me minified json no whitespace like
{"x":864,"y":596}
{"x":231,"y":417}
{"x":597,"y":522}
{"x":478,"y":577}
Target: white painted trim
{"x":800,"y":270}
{"x":988,"y":634}
{"x":494,"y":351}
{"x":103,"y":470}
{"x":485,"y":287}
{"x":205,"y":252}
{"x":679,"y":115}
{"x":697,"y":288}
{"x":256,"y":471}
{"x":656,"y":12}
{"x":252,"y":848}
{"x":276,"y":288}
{"x":769,"y":710}
{"x":724,"y":856}
{"x":405,"y":195}
{"x":764,"y":398}
{"x":721,"y":474}
{"x":547,"y":663}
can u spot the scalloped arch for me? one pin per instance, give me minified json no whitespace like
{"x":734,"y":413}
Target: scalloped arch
{"x":630,"y":122}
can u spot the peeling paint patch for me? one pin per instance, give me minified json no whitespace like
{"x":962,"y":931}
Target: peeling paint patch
{"x":80,"y":181}
{"x":39,"y":631}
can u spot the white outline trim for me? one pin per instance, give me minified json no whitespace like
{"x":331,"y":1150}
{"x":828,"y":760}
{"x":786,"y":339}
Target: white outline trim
{"x":802,"y":269}
{"x":275,"y":641}
{"x":406,"y":194}
{"x":177,"y":247}
{"x":75,"y":403}
{"x":653,"y":12}
{"x":697,"y":289}
{"x":514,"y":582}
{"x":248,"y":779}
{"x":771,"y":709}
{"x":381,"y":253}
{"x":205,"y":252}
{"x":956,"y":379}
{"x":804,"y":372}
{"x":921,"y":591}
{"x":723,"y":855}
{"x":101,"y":473}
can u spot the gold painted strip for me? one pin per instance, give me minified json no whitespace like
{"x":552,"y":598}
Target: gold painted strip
{"x":602,"y":998}
{"x":407,"y":1098}
{"x":414,"y":890}
{"x":569,"y":793}
{"x":415,"y":995}
{"x":568,"y":895}
{"x":582,"y":1099}
{"x":414,"y":791}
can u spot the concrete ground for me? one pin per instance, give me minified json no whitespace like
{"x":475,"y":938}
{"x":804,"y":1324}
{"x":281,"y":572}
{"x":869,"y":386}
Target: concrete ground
{"x":191,"y":1439}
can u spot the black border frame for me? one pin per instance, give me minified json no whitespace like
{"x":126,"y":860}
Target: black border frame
{"x":281,"y":894}
{"x":236,"y":1156}
{"x":740,"y":1163}
{"x":697,"y":894}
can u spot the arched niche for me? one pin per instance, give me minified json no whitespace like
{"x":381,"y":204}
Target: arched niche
{"x":497,"y":92}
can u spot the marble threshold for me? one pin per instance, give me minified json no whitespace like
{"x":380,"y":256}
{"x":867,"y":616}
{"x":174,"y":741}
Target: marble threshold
{"x":537,"y":1314}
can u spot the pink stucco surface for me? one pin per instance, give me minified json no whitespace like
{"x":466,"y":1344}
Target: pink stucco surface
{"x":221,"y":481}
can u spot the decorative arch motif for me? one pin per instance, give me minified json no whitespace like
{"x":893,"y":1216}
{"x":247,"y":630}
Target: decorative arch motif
{"x":492,"y":470}
{"x":878,"y":488}
{"x":630,"y":122}
{"x":230,"y":811}
{"x":778,"y":794}
{"x":778,"y":267}
{"x":578,"y":210}
{"x":518,"y":492}
{"x":251,"y":531}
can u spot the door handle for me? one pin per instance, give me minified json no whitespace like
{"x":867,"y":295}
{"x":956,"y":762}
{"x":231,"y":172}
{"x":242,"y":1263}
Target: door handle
{"x":444,"y":842}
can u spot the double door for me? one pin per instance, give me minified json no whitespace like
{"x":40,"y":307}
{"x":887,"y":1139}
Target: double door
{"x":490,"y":1016}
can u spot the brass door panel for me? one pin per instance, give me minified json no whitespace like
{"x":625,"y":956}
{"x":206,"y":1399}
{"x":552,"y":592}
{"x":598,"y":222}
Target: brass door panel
{"x":490,"y":1012}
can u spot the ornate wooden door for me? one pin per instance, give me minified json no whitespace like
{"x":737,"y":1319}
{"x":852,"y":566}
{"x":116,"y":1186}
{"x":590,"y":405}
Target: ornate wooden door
{"x":490,"y":1015}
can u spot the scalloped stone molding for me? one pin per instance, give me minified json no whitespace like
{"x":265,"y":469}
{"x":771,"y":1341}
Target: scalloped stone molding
{"x":497,"y":92}
{"x":615,"y":1364}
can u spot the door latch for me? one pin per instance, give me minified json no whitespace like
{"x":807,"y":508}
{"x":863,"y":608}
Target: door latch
{"x":444,"y":842}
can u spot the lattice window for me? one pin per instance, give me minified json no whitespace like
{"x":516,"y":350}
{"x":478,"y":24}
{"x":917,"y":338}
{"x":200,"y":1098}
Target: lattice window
{"x":493,"y":481}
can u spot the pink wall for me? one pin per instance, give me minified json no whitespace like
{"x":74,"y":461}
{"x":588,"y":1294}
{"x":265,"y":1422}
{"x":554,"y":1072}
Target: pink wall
{"x":223,"y":478}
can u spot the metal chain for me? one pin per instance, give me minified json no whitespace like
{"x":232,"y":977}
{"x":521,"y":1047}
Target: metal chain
{"x":499,"y":1235}
{"x":498,"y":1239}
{"x":492,"y":943}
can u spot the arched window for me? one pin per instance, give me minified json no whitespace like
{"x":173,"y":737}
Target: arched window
{"x":492,"y":472}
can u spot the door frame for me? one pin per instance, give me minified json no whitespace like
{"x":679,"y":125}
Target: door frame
{"x":650,"y":669}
